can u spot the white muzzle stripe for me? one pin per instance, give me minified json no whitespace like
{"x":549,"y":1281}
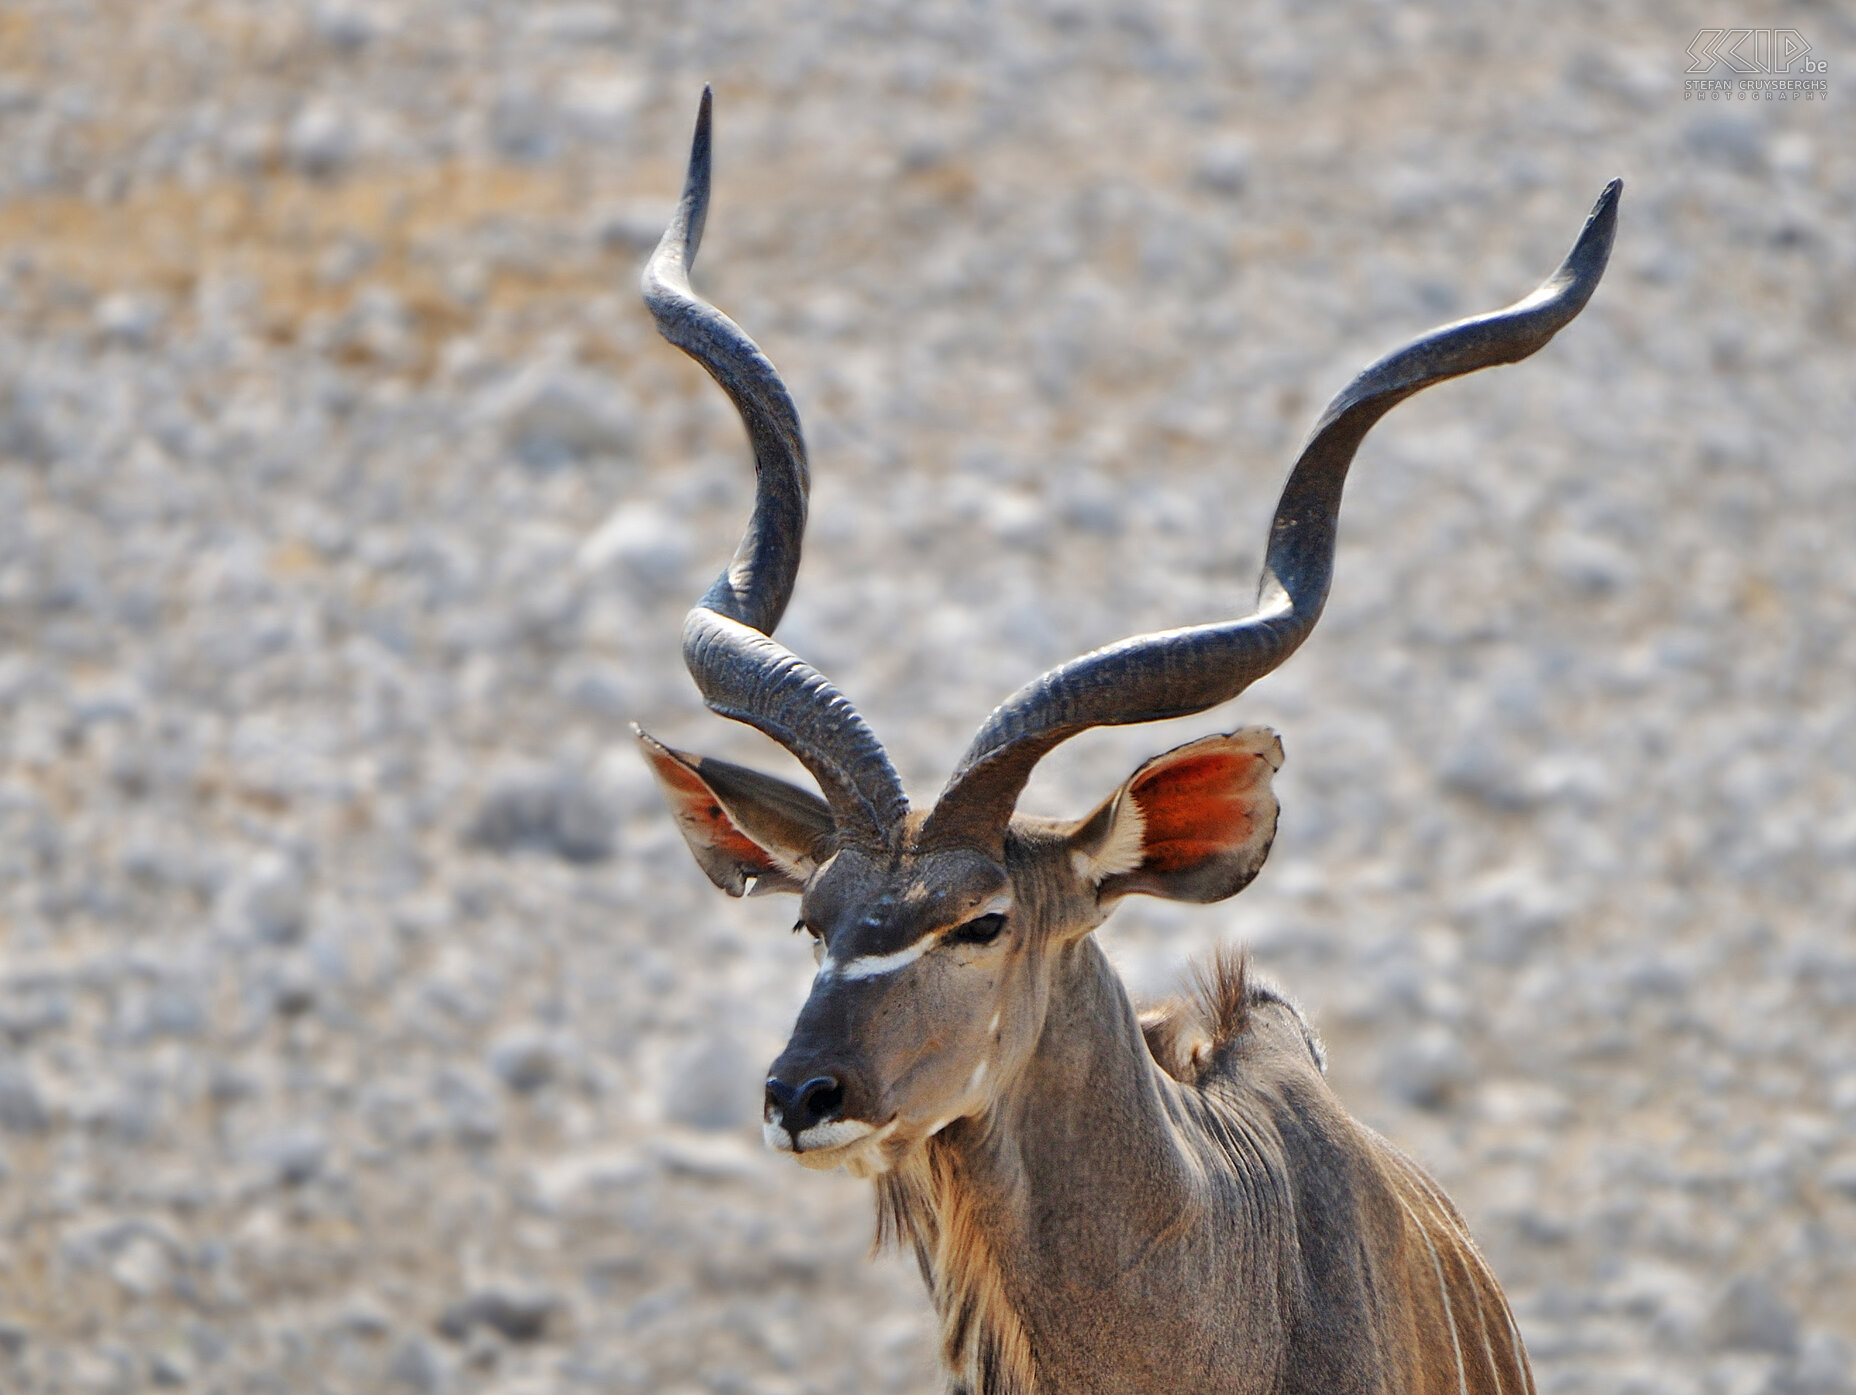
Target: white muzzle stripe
{"x":876,"y":965}
{"x":837,"y":1133}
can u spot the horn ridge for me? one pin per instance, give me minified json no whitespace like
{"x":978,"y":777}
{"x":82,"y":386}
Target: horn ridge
{"x":747,"y":677}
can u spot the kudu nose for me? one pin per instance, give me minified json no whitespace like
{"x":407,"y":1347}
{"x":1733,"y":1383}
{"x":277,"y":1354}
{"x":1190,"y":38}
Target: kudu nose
{"x":819,"y":1099}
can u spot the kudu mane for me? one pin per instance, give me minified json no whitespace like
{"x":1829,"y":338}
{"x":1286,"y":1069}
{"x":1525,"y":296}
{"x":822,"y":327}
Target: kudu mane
{"x":926,"y":1205}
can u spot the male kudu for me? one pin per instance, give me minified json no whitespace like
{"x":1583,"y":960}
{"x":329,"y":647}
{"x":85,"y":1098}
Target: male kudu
{"x":1097,"y":1202}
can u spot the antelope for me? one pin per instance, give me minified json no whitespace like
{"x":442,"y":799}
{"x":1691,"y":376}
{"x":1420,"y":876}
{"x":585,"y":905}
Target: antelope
{"x":1099,"y":1201}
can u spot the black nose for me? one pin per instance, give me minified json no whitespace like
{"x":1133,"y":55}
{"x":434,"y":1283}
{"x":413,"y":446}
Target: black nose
{"x":819,"y":1099}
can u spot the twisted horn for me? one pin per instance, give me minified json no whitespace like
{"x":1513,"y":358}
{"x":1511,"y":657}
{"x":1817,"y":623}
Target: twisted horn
{"x":741,"y":672}
{"x":1175,"y":673}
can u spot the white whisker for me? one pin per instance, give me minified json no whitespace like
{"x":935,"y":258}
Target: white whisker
{"x":835,"y":1134}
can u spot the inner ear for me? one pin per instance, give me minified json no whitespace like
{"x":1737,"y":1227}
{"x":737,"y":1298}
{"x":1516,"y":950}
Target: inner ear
{"x":750,"y":833}
{"x":1192,"y":825}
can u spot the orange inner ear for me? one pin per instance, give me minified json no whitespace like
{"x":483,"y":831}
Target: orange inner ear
{"x":703,"y":816}
{"x":1197,"y":808}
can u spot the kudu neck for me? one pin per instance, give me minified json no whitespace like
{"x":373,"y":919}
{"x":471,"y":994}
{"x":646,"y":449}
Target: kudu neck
{"x":1090,"y":1122}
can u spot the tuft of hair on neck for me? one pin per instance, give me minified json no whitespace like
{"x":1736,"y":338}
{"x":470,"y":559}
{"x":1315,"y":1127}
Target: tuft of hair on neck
{"x":1186,"y":1034}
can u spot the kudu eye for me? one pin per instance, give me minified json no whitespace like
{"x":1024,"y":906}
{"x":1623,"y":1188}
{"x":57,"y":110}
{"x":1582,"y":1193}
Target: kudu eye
{"x":980,"y":931}
{"x":818,"y":939}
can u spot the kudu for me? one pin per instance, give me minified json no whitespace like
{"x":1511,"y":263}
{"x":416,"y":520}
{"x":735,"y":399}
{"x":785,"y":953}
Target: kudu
{"x":1098,"y":1202}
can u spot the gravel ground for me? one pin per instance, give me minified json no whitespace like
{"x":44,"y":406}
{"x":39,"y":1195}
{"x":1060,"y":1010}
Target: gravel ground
{"x":364,"y":1025}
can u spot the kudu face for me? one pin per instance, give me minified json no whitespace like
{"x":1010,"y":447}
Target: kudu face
{"x":927,"y":980}
{"x":938,"y":936}
{"x":935,"y":963}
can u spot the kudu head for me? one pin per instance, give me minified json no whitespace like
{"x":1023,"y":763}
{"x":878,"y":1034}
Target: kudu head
{"x":936,"y":935}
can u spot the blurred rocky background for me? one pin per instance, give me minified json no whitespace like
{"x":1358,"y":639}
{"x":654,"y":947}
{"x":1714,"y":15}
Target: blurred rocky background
{"x":364,"y":1026}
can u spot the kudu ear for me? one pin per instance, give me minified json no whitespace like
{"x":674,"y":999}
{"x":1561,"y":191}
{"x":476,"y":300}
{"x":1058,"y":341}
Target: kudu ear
{"x":1192,"y":825}
{"x":751,"y":833}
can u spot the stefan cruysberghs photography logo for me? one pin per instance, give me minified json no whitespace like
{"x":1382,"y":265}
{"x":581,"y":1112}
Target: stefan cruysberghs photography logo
{"x":1754,"y":65}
